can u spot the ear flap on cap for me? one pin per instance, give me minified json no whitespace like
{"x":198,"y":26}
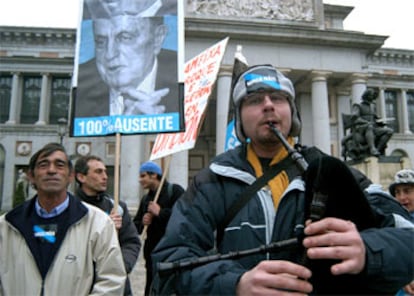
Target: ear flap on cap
{"x":296,"y":121}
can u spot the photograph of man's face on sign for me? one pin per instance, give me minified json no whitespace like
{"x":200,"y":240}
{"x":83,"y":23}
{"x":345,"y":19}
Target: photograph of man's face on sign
{"x":127,"y":68}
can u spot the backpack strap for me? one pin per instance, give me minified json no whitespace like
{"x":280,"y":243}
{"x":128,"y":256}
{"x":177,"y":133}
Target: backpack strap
{"x":170,"y":190}
{"x":250,"y":191}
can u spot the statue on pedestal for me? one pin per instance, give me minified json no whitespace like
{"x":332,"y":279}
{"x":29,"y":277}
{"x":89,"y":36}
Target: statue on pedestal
{"x":21,"y":192}
{"x":368,"y":134}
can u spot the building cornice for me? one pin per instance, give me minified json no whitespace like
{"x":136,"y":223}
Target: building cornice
{"x":55,"y":46}
{"x":36,"y":65}
{"x":33,"y":49}
{"x":393,"y":57}
{"x":280,"y":32}
{"x":38,"y":35}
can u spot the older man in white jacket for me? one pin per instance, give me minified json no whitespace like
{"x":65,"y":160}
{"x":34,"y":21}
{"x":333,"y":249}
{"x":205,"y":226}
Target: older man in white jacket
{"x":54,"y":244}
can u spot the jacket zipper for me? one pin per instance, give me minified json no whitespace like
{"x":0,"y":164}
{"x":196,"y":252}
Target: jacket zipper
{"x":42,"y":290}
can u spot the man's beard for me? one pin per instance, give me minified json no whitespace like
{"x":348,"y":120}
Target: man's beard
{"x":268,"y":139}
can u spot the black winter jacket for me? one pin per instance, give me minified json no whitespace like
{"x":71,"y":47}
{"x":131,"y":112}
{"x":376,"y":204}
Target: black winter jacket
{"x":156,"y":230}
{"x":196,"y":216}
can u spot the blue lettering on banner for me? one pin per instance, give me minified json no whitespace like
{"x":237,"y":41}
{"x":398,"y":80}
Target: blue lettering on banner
{"x":126,"y":124}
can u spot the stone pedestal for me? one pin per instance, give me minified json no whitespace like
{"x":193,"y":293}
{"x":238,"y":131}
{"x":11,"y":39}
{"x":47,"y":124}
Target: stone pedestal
{"x":381,"y":170}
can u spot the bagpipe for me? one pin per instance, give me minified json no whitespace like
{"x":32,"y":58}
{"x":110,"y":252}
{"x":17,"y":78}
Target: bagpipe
{"x":331,"y":190}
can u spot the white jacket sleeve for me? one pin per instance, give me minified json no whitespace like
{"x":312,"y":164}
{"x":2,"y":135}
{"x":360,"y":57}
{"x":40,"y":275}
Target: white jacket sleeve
{"x":110,"y":274}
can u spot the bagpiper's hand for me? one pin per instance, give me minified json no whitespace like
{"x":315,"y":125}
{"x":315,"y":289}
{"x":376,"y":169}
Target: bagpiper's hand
{"x":275,"y":277}
{"x":333,"y":238}
{"x":409,"y":289}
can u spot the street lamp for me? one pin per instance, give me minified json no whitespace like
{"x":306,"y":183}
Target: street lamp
{"x":62,"y":124}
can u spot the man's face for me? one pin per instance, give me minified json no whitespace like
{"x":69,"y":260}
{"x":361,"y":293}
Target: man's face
{"x":405,"y":195}
{"x":51,"y":174}
{"x":258,"y":110}
{"x":95,"y":181}
{"x":148,"y":181}
{"x":126,"y":48}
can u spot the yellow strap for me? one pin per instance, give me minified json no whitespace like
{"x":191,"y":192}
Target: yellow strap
{"x":278,"y":184}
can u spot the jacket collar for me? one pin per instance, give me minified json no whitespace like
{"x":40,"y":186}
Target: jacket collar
{"x":89,"y":198}
{"x":19,"y":215}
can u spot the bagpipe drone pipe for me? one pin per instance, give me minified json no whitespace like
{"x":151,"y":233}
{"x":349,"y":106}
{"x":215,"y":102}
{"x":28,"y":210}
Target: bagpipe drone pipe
{"x":331,"y":190}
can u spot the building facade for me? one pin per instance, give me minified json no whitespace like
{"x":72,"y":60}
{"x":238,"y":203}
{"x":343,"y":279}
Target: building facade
{"x":329,"y":66}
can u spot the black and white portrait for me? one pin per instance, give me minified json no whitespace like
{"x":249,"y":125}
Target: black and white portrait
{"x":128,"y":59}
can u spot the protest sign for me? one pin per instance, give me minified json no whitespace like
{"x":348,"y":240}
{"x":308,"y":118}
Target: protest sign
{"x":127,"y":67}
{"x":200,"y":74}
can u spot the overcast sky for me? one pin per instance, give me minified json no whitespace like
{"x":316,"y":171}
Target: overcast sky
{"x":392,"y":18}
{"x":380,"y":17}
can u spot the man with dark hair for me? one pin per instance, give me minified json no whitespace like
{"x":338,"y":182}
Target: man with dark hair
{"x":262,"y":192}
{"x":91,"y":176}
{"x":54,"y":244}
{"x":154,"y":214}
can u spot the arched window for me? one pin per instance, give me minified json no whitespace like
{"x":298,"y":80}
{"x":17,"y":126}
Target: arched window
{"x":399,"y":153}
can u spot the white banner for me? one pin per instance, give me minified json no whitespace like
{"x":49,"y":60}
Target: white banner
{"x":200,"y":74}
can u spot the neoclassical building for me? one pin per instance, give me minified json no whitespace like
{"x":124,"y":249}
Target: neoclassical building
{"x":329,"y":66}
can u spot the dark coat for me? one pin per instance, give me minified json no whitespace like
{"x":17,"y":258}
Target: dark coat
{"x":168,"y":196}
{"x":156,"y":230}
{"x":199,"y":212}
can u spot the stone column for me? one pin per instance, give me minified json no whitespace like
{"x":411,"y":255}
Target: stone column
{"x":359,"y":85}
{"x":132,"y":150}
{"x":179,"y":169}
{"x":381,"y":103}
{"x":404,"y":111}
{"x":16,"y":98}
{"x":320,"y":111}
{"x":44,"y":102}
{"x":223,"y":100}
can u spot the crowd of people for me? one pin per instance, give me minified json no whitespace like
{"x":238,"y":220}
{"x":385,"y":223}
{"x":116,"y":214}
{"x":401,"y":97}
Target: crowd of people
{"x":81,"y":243}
